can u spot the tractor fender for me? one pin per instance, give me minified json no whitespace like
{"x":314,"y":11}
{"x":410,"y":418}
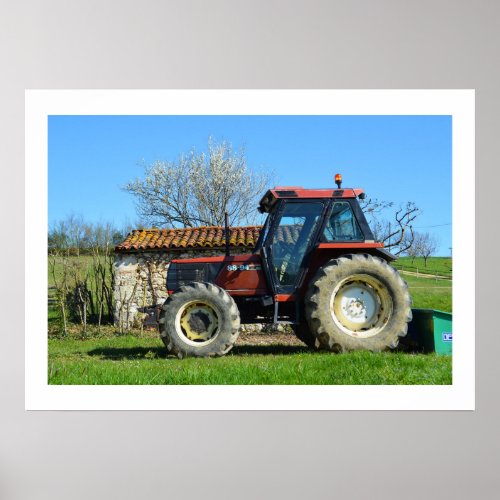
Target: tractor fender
{"x":384,"y":254}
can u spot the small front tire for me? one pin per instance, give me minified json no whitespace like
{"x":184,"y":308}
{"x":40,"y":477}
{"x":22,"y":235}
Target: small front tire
{"x":199,"y":319}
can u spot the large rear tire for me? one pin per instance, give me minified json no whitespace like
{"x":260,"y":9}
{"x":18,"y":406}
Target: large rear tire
{"x":199,"y":319}
{"x":358,"y":302}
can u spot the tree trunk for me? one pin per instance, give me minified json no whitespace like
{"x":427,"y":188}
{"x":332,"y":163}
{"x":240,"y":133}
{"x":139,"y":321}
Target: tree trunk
{"x":63,"y":312}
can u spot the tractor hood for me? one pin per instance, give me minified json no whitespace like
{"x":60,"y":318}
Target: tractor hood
{"x":235,"y":273}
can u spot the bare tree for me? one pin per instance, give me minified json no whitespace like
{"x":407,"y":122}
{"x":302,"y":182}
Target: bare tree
{"x":412,"y":245}
{"x":58,"y":238}
{"x":77,"y":230}
{"x":198,"y":188}
{"x":82,"y":287}
{"x":392,"y":227}
{"x":124,"y":302}
{"x":70,"y":234}
{"x":373,"y":207}
{"x":58,"y":268}
{"x":76,"y":236}
{"x":427,"y":246}
{"x":79,"y":296}
{"x":102,"y":272}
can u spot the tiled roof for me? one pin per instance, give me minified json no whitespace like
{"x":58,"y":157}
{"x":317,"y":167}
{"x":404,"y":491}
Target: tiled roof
{"x":289,"y":234}
{"x":197,"y":237}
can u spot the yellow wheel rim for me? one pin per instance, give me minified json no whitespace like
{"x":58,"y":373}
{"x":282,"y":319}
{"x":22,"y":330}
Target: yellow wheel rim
{"x":198,"y":322}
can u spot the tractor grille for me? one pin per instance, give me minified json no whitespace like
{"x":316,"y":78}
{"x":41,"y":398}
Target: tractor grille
{"x":180,"y":274}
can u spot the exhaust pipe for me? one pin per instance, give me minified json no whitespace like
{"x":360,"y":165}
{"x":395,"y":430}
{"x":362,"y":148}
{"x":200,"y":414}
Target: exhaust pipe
{"x":226,"y":230}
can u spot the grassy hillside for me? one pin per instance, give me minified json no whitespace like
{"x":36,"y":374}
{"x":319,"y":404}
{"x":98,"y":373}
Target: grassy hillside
{"x":442,"y":266}
{"x":77,"y":266}
{"x":429,"y":293}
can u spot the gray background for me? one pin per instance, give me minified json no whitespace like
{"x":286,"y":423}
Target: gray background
{"x":246,"y":44}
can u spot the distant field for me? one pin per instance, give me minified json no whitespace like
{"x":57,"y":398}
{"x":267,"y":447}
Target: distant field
{"x":81,"y":264}
{"x":77,"y":268}
{"x":442,"y":266}
{"x":429,"y":293}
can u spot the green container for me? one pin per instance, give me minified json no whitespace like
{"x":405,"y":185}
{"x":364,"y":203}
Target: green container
{"x":431,"y":331}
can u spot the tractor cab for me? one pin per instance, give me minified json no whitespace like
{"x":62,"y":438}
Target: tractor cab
{"x":302,"y":225}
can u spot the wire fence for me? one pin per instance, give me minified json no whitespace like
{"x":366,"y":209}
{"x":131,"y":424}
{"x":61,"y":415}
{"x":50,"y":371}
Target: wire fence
{"x":424,"y":272}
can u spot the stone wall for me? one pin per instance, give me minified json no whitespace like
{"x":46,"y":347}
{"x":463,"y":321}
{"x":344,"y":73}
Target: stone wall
{"x":141,"y":281}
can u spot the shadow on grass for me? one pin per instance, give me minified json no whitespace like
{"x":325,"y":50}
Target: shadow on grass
{"x":120,"y":353}
{"x":268,"y":349}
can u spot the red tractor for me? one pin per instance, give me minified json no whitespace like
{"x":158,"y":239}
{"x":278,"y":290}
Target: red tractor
{"x":315,"y":266}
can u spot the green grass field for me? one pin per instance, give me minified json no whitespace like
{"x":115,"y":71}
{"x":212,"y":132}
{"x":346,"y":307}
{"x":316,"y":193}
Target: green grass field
{"x":108,"y":358}
{"x":77,"y":269}
{"x":133,"y":360}
{"x":429,"y":293}
{"x":83,"y":263}
{"x":442,"y":266}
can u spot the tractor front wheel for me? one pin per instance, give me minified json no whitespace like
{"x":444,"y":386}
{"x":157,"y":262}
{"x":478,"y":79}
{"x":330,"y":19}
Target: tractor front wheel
{"x":199,"y":319}
{"x":358,"y":302}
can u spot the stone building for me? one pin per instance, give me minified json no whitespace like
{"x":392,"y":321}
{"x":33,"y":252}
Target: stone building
{"x":142,"y":260}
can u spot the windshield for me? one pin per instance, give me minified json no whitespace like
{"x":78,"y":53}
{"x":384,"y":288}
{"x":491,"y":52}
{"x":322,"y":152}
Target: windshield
{"x":342,"y":225}
{"x":263,"y":233}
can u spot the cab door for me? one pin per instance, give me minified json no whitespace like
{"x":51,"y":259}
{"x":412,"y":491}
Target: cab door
{"x":289,"y":242}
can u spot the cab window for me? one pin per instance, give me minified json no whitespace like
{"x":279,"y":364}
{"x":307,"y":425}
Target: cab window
{"x":292,"y":238}
{"x":342,"y":225}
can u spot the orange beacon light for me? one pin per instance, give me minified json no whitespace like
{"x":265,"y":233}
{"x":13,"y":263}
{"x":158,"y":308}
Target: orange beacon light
{"x":338,"y":180}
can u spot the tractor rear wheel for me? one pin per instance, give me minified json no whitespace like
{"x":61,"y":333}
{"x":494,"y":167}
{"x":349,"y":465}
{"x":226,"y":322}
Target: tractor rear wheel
{"x":199,"y":319}
{"x":358,"y":302}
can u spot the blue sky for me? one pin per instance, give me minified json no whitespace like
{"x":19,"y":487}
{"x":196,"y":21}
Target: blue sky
{"x":394,"y":158}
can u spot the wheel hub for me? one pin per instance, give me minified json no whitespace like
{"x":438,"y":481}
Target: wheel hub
{"x":360,"y":305}
{"x":355,"y":309}
{"x":199,"y":322}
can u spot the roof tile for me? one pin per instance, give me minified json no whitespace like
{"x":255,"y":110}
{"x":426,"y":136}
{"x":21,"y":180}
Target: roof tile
{"x":198,"y":237}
